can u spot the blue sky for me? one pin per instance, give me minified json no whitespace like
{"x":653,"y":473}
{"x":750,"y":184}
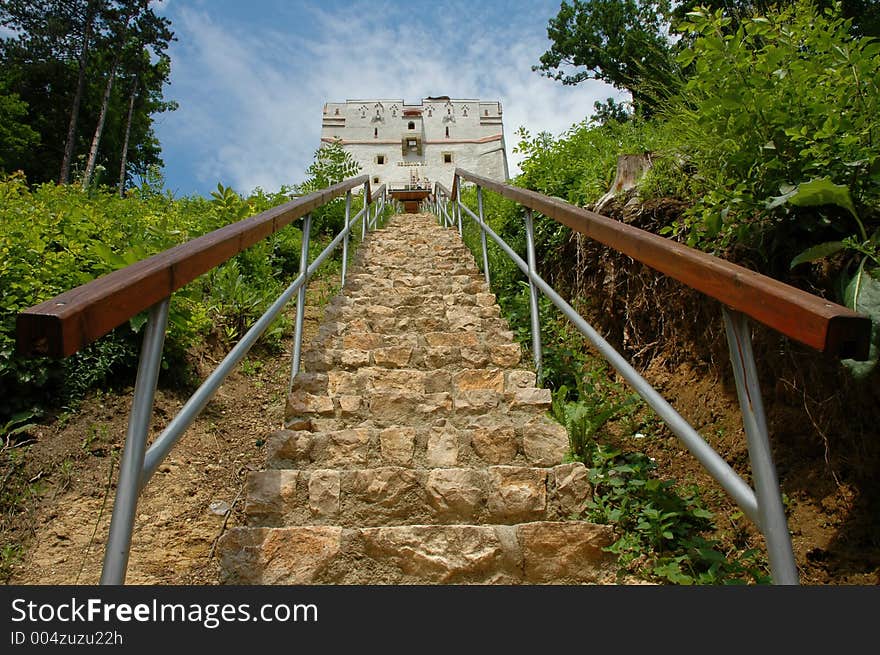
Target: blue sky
{"x":251,"y":77}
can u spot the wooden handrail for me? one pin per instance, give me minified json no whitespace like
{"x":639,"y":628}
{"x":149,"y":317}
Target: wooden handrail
{"x":70,"y":321}
{"x":802,"y":316}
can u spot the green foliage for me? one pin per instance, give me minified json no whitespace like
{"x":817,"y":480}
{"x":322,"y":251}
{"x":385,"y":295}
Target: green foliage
{"x":623,"y":42}
{"x":781,"y":100}
{"x":40,"y":61}
{"x":585,"y":417}
{"x":332,"y":164}
{"x":16,"y":136}
{"x":579,"y":166}
{"x":54,"y":238}
{"x":660,"y":525}
{"x":861,"y":291}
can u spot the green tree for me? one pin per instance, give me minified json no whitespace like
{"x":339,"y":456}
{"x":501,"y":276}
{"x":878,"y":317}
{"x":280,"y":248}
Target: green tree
{"x":332,"y":164}
{"x":16,"y":137}
{"x":57,"y":61}
{"x":622,"y":42}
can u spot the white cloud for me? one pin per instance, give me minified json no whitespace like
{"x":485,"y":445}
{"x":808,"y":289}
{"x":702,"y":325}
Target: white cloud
{"x":251,"y":99}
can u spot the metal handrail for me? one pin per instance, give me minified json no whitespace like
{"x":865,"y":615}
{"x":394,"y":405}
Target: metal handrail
{"x":64,"y":324}
{"x":743,"y":293}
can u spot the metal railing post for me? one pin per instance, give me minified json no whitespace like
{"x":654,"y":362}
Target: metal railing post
{"x":345,"y":240}
{"x":364,"y":215}
{"x":483,"y":234}
{"x":128,"y":485}
{"x":301,"y":300}
{"x":457,"y":207}
{"x":533,"y":293}
{"x":773,"y":523}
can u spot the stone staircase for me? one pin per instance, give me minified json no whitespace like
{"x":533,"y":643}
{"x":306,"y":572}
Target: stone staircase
{"x":415,"y":449}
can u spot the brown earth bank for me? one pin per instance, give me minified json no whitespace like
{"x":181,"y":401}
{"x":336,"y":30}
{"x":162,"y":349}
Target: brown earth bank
{"x":822,"y":421}
{"x":194,"y":497}
{"x":822,"y":425}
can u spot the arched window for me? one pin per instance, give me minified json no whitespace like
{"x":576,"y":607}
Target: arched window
{"x":411,"y":125}
{"x":447,"y":131}
{"x":375,"y":132}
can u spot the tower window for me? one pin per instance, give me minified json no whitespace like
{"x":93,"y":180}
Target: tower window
{"x":380,"y":159}
{"x":411,"y":125}
{"x":375,"y":132}
{"x":447,"y":131}
{"x":447,"y":157}
{"x":376,"y":180}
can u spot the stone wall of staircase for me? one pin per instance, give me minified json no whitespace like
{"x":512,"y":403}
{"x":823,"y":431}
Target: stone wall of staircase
{"x":417,"y":447}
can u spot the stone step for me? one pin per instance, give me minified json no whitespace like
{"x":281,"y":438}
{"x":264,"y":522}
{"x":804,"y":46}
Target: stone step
{"x":540,"y":552}
{"x":379,"y":349}
{"x":423,"y":352}
{"x":404,"y":407}
{"x":369,"y":379}
{"x":458,"y":316}
{"x":428,"y":296}
{"x":362,"y":282}
{"x":394,"y":495}
{"x":384,"y":322}
{"x":483,"y":440}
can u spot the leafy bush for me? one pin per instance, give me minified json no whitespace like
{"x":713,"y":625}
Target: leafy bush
{"x":54,"y":238}
{"x":783,"y":99}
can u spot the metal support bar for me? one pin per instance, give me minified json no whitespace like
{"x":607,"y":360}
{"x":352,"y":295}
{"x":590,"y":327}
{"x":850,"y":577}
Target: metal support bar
{"x":772,"y":522}
{"x":128,"y":487}
{"x":301,"y":300}
{"x":365,"y":215}
{"x":457,"y":208}
{"x":345,"y":240}
{"x":533,"y":295}
{"x":483,"y":235}
{"x":714,"y":464}
{"x":191,"y":409}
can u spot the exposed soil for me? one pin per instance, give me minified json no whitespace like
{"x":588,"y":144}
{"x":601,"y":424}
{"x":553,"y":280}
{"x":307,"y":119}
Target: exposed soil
{"x":182,"y":511}
{"x":824,"y":439}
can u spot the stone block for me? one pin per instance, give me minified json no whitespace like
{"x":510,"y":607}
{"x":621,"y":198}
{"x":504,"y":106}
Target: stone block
{"x":440,"y":554}
{"x":572,"y":488}
{"x":485,"y":299}
{"x":346,"y":448}
{"x":301,"y":402}
{"x":288,"y":556}
{"x":483,"y":379}
{"x":442,"y":447}
{"x":349,"y":405}
{"x":267,"y":494}
{"x":392,"y":356}
{"x":560,"y":552}
{"x":354,"y":358}
{"x":545,"y":442}
{"x":389,"y":487}
{"x":505,"y":354}
{"x":474,"y":357}
{"x":531,"y":397}
{"x":438,"y":381}
{"x":519,"y":379}
{"x":517,"y":492}
{"x":456,"y":493}
{"x":457,"y":339}
{"x":397,"y":445}
{"x":289,"y":445}
{"x":324,"y":493}
{"x":494,"y":445}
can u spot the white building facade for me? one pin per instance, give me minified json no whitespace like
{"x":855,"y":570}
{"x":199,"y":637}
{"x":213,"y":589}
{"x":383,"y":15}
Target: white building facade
{"x":413,"y":146}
